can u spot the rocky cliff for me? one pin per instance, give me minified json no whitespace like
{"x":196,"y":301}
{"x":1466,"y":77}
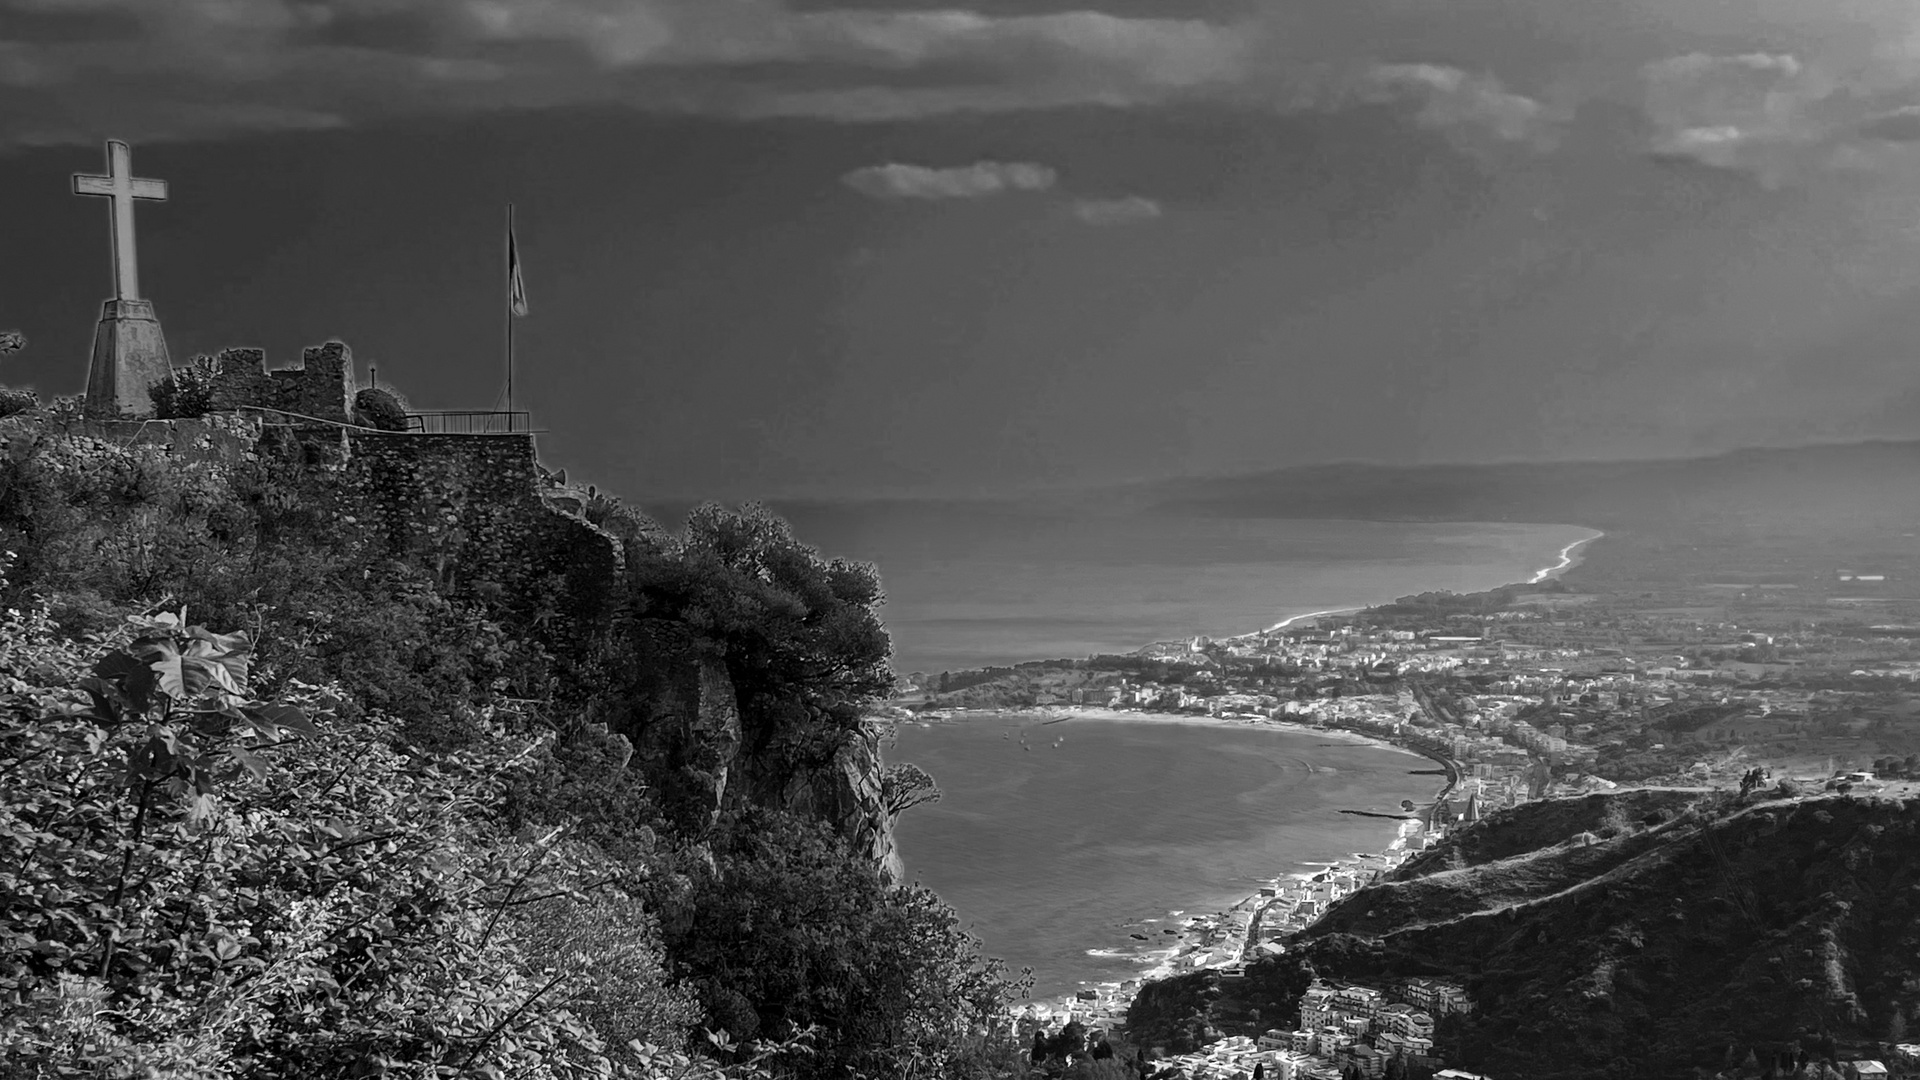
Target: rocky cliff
{"x":682,"y":716}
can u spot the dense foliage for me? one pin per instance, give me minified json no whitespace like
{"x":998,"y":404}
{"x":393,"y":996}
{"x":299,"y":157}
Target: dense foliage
{"x":784,"y":930}
{"x":376,"y":825}
{"x":188,"y":392}
{"x":211,"y":885}
{"x":800,"y":634}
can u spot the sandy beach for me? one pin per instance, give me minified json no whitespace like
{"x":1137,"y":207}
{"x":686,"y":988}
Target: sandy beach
{"x":1054,"y":714}
{"x":1569,"y":558}
{"x":1207,"y":935}
{"x":1210,"y":936}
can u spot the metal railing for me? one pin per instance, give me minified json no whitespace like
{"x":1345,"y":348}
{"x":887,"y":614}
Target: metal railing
{"x":470,"y":422}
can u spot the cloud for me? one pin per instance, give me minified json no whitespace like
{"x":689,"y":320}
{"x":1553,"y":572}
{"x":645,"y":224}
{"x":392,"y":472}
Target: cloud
{"x":1119,"y":211}
{"x":1485,"y":74}
{"x":373,"y":59}
{"x":1777,"y":116}
{"x":1895,"y":125}
{"x":896,"y":181}
{"x":1453,"y":100}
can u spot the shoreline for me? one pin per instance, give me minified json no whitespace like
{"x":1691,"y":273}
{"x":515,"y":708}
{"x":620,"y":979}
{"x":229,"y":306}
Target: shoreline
{"x":1167,"y":960}
{"x":1057,"y":714}
{"x":1568,"y":557}
{"x":1199,"y":930}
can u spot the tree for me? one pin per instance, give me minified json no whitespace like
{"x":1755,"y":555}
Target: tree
{"x":784,"y":930}
{"x":904,"y":786}
{"x":800,"y":634}
{"x":1071,"y":1040}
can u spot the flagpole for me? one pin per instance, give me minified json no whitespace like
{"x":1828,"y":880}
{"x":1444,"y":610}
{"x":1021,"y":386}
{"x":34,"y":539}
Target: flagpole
{"x":509,"y":306}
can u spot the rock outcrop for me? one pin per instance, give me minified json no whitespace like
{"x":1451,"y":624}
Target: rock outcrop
{"x":683,"y":719}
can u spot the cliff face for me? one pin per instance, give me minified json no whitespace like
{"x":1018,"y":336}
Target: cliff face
{"x":683,"y":719}
{"x":1642,"y":934}
{"x":846,"y":795}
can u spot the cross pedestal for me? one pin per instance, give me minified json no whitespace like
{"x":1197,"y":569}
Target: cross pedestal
{"x":129,"y":356}
{"x":129,"y":352}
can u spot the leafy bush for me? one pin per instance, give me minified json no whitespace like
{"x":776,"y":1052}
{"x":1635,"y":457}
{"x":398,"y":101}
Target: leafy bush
{"x":377,"y":408}
{"x":189,"y":875}
{"x":14,"y":400}
{"x":186,"y":393}
{"x":801,"y":634}
{"x":336,"y":841}
{"x":784,"y":930}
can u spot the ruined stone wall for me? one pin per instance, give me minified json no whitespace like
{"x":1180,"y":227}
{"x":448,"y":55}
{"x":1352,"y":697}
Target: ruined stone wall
{"x":239,"y":378}
{"x":321,"y":387}
{"x":469,"y":509}
{"x":217,"y":438}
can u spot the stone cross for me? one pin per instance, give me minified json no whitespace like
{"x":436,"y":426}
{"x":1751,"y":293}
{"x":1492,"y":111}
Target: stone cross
{"x":129,"y":350}
{"x":122,"y":187}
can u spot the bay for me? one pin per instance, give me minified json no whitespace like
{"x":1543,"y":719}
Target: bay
{"x":1056,"y":853}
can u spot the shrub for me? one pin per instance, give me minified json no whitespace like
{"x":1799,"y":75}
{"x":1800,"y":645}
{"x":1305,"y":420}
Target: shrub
{"x":382,"y":409}
{"x":13,"y":400}
{"x":784,"y":930}
{"x":186,"y":393}
{"x":260,"y":895}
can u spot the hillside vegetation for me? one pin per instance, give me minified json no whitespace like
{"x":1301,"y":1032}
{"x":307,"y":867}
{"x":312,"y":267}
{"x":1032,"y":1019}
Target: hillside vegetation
{"x":280,"y":801}
{"x":1642,"y":934}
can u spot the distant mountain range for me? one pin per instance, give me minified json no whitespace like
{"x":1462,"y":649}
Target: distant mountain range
{"x":1868,"y":484}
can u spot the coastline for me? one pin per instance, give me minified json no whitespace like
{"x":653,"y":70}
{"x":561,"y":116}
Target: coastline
{"x":1054,"y":714}
{"x":1569,"y":557}
{"x":1211,"y":930}
{"x":1204,"y":936}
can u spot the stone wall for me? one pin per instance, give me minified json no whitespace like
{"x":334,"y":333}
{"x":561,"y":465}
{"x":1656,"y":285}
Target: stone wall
{"x":322,"y":387}
{"x":469,"y":508}
{"x":221,"y":438}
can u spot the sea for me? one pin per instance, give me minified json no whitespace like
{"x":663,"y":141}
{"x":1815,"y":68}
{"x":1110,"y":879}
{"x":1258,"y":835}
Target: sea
{"x":1062,"y":845}
{"x":1059,"y":854}
{"x":975,"y":584}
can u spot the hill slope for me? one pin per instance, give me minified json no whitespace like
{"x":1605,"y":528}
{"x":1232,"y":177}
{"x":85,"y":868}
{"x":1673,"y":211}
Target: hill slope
{"x":1770,"y":925}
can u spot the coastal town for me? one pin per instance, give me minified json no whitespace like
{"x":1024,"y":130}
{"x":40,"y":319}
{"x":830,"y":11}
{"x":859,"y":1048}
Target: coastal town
{"x":1529,"y":693}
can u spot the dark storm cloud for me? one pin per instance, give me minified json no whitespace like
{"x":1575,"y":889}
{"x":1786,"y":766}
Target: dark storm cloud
{"x":1729,"y":88}
{"x":311,"y":63}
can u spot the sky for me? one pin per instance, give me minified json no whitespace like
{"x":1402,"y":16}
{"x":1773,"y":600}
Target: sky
{"x":794,"y":248}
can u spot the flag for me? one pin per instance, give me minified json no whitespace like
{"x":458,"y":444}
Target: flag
{"x":516,"y":288}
